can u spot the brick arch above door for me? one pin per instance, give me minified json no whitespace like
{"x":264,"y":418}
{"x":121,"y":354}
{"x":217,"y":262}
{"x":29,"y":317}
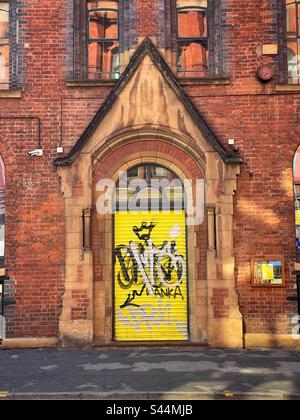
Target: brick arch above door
{"x":157,"y":150}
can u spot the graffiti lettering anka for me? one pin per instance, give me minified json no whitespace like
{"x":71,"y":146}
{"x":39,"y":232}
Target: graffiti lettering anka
{"x":161,"y":268}
{"x":158,"y":292}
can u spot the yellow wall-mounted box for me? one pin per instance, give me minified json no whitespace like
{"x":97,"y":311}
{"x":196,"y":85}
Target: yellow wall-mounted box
{"x":270,"y":49}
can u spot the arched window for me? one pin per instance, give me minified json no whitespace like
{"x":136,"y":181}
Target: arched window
{"x":2,"y":213}
{"x":293,"y":40}
{"x":192,"y":32}
{"x":150,"y":188}
{"x":4,"y":45}
{"x":103,"y":40}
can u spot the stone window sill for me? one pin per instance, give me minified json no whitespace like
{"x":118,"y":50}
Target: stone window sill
{"x":90,"y":83}
{"x":287,"y":88}
{"x":186,"y":81}
{"x":10,"y":94}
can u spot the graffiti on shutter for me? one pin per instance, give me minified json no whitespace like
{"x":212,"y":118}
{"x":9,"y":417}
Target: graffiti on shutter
{"x":150,"y":284}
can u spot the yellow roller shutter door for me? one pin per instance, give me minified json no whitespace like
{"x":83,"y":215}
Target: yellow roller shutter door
{"x":150,"y":277}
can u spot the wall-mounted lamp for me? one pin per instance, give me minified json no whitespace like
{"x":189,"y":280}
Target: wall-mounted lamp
{"x":36,"y":153}
{"x":86,"y":224}
{"x":232,"y":144}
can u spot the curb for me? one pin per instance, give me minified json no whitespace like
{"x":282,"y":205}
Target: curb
{"x":152,"y":396}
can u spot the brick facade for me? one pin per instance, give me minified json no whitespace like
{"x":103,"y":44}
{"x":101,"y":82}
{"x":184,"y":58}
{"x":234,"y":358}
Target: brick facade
{"x":50,"y":113}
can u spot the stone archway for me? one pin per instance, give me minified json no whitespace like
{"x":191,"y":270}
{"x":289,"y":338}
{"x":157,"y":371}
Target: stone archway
{"x":185,"y":168}
{"x":87,"y":312}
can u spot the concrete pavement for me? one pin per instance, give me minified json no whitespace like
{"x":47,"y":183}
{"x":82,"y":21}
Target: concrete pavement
{"x":149,"y":374}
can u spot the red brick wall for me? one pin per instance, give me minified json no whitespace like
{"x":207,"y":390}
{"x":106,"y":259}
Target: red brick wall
{"x":261,"y":121}
{"x":221,"y":309}
{"x":79,"y":311}
{"x":34,"y":232}
{"x":148,"y":18}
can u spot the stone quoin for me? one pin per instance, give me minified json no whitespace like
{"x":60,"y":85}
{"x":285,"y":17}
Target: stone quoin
{"x":167,"y":89}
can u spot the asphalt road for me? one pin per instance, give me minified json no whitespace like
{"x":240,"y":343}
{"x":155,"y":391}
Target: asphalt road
{"x":149,"y":374}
